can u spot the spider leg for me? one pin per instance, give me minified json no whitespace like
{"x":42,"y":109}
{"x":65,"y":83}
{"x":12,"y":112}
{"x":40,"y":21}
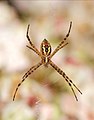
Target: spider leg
{"x":31,"y":70}
{"x":66,"y":78}
{"x":68,"y":31}
{"x":33,"y":49}
{"x":30,"y":48}
{"x":58,"y":50}
{"x":63,"y":41}
{"x":32,"y":45}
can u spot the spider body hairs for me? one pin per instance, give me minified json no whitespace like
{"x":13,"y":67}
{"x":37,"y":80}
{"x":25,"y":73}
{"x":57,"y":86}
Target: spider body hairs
{"x":46,"y":55}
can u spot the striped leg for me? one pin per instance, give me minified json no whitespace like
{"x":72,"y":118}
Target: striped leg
{"x":62,"y":44}
{"x":69,"y":81}
{"x":58,"y":50}
{"x":32,"y":45}
{"x":31,"y":70}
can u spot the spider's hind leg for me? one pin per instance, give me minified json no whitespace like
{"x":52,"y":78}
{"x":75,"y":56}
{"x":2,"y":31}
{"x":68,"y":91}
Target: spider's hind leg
{"x":62,"y":43}
{"x":67,"y":35}
{"x":32,"y":45}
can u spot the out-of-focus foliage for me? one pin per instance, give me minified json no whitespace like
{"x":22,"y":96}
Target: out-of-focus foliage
{"x":45,"y":95}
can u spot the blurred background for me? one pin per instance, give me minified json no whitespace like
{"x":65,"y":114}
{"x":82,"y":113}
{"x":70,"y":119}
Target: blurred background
{"x":45,"y":95}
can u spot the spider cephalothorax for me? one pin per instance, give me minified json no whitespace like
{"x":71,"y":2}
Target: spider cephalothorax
{"x":46,"y":55}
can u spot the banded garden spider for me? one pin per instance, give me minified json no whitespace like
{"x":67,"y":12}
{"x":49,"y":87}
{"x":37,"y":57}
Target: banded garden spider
{"x":46,"y":55}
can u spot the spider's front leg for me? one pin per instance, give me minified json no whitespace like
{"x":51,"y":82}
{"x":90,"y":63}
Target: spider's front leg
{"x":62,"y":43}
{"x":32,"y":47}
{"x":69,"y":81}
{"x":31,"y":70}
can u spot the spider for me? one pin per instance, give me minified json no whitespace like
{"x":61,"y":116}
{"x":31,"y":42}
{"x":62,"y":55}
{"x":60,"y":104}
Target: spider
{"x":46,"y":55}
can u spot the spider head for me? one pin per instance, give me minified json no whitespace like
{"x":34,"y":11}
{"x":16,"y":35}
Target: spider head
{"x":45,"y":48}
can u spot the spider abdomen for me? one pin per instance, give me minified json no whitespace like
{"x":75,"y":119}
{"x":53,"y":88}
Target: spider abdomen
{"x":45,"y":48}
